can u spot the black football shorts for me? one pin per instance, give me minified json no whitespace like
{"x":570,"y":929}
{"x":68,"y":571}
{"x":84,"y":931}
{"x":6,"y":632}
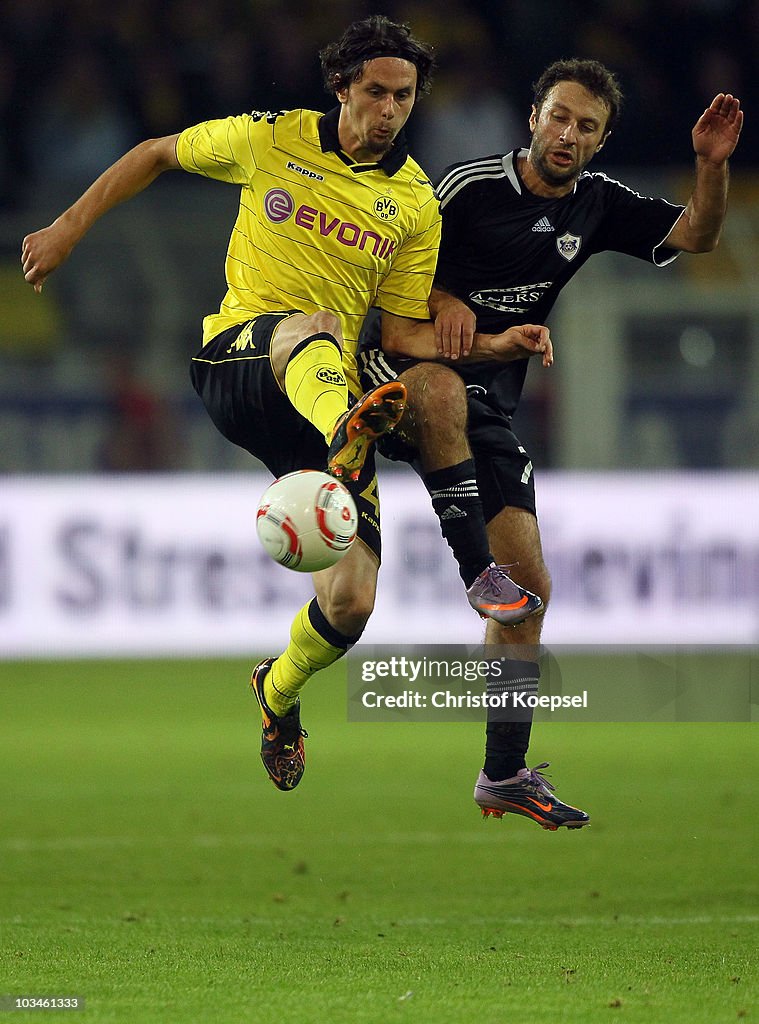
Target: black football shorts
{"x":234,"y":378}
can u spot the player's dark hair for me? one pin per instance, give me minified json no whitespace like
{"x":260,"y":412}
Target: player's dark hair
{"x":343,"y":62}
{"x":591,"y":75}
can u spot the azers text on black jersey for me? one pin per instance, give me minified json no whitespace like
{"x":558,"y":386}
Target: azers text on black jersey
{"x":508,"y":253}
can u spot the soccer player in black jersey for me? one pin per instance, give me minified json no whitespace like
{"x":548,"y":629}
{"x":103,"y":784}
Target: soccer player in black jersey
{"x":334,"y":216}
{"x":516,"y":228}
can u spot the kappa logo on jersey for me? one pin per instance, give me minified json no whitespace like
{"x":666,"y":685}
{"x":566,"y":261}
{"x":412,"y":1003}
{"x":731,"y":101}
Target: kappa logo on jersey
{"x":279,"y":206}
{"x":386,"y":208}
{"x":312,"y":175}
{"x":543,"y":224}
{"x":270,"y":115}
{"x":329,"y":376}
{"x":569,"y":245}
{"x":512,"y":300}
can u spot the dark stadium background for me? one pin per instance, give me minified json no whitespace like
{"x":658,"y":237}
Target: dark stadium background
{"x":102,"y":358}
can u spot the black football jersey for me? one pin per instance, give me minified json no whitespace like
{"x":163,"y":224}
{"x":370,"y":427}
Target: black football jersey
{"x":508,"y":253}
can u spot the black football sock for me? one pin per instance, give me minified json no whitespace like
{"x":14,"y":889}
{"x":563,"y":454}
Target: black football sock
{"x":457,"y":505}
{"x":507,"y":735}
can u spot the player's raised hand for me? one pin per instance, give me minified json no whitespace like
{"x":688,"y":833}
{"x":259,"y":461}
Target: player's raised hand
{"x":715,"y":134}
{"x":43,"y":251}
{"x":522,"y":342}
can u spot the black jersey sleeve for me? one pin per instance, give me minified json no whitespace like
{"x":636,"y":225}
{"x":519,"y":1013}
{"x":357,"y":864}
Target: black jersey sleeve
{"x":454,"y":238}
{"x":460,"y":194}
{"x":635,"y":224}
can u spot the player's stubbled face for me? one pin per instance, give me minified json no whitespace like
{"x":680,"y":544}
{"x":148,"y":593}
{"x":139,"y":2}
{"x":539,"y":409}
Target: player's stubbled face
{"x":376,"y":107}
{"x":567,"y":132}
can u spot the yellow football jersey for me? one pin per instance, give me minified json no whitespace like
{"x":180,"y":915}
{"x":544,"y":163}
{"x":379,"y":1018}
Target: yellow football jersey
{"x":315,"y":230}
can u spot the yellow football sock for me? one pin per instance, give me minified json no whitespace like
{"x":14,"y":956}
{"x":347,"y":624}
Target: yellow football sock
{"x":315,"y":382}
{"x":308,"y":651}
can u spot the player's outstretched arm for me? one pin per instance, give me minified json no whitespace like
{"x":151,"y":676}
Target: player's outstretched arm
{"x":43,"y":251}
{"x":715,"y":136}
{"x":416,"y":340}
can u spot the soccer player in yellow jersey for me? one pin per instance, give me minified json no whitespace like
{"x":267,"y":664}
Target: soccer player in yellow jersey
{"x":334,"y":217}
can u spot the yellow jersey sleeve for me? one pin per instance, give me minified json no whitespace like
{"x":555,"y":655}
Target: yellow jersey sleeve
{"x":229,"y":149}
{"x":406,"y":288}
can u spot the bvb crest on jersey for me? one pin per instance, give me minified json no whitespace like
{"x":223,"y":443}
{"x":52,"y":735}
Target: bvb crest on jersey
{"x":568,"y":245}
{"x":386,"y":208}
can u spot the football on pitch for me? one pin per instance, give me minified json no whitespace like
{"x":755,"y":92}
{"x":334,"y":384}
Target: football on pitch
{"x":307,"y":520}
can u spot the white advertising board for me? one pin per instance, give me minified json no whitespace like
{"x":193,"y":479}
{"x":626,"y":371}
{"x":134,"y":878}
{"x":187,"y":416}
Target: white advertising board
{"x":171,"y":565}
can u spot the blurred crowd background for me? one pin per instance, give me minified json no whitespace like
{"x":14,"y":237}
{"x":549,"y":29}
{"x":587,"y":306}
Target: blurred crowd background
{"x":94,"y":373}
{"x":81,"y":80}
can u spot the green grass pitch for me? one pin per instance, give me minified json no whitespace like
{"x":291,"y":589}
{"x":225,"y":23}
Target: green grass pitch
{"x":149,"y":866}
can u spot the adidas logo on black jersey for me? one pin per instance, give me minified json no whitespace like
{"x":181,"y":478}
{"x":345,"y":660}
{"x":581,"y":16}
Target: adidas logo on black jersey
{"x":543,"y":224}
